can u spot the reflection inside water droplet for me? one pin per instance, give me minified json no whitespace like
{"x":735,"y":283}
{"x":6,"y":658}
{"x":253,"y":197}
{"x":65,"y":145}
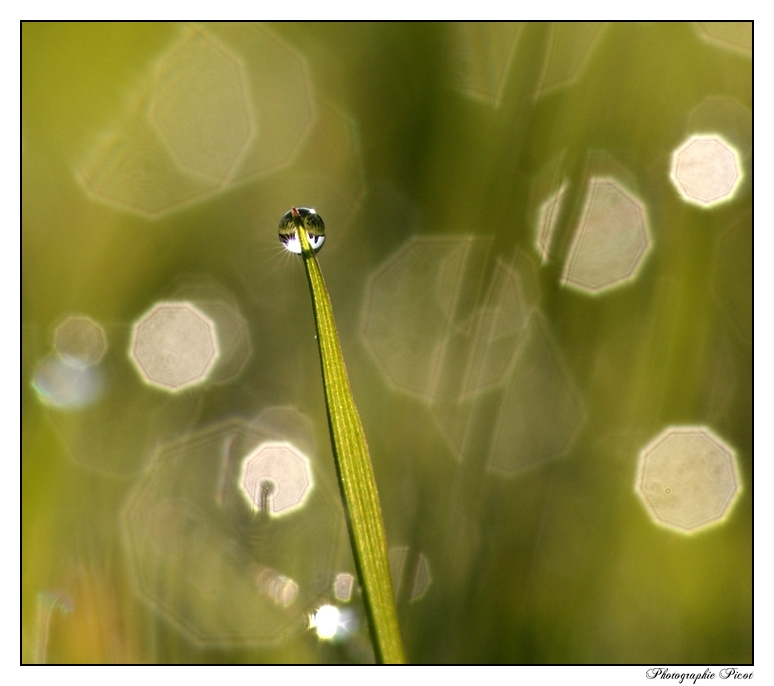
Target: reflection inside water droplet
{"x":309,"y":220}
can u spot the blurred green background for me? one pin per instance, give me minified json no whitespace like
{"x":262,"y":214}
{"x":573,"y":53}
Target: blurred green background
{"x":505,"y":409}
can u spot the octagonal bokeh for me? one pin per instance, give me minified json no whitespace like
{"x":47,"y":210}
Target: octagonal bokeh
{"x":687,"y":478}
{"x":174,"y":346}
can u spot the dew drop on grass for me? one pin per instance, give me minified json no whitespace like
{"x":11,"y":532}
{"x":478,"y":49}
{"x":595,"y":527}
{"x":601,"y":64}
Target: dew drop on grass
{"x":312,"y":223}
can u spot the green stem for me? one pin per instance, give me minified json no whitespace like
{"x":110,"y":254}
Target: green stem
{"x":356,"y":477}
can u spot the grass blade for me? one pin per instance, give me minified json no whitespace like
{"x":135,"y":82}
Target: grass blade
{"x":355,"y":473}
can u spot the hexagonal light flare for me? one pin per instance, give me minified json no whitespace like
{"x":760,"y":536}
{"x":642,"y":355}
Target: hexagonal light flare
{"x":432,"y":337}
{"x":224,"y":104}
{"x":706,"y":170}
{"x":343,"y":585}
{"x":80,"y":341}
{"x":414,"y":566}
{"x":234,"y":346}
{"x":541,"y":409}
{"x":276,"y":587}
{"x":568,"y":50}
{"x":276,"y":478}
{"x":548,"y":217}
{"x":483,"y":52}
{"x":611,"y":240}
{"x":687,"y":478}
{"x":281,"y":103}
{"x":200,"y":107}
{"x":204,"y":562}
{"x":174,"y":346}
{"x":414,"y":305}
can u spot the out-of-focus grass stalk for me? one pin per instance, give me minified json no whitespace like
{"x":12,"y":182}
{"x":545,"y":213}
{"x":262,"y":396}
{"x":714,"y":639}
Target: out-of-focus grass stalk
{"x":355,"y":473}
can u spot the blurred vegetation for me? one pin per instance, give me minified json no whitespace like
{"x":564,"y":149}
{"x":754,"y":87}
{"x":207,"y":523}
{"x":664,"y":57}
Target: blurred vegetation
{"x":416,"y":130}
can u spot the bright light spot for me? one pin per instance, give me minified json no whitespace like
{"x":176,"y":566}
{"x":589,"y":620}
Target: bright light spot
{"x":326,"y":621}
{"x":610,"y":241}
{"x":200,"y":107}
{"x":687,"y":478}
{"x":202,"y":560}
{"x":548,"y":217}
{"x":343,"y":585}
{"x":293,"y":244}
{"x":64,"y":386}
{"x":80,"y":341}
{"x":706,"y":170}
{"x":174,"y":346}
{"x":276,"y":478}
